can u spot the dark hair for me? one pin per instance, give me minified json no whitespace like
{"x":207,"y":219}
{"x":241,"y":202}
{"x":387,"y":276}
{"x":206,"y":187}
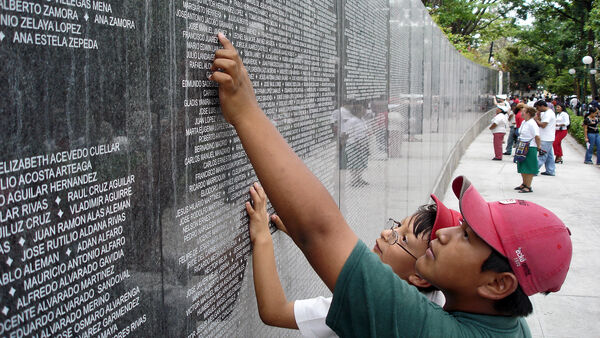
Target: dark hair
{"x":515,"y":304}
{"x":540,"y":103}
{"x":424,"y":218}
{"x":562,"y":105}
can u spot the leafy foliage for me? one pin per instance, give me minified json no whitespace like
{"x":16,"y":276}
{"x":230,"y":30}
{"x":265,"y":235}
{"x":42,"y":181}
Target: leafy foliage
{"x":562,"y":33}
{"x":526,"y":71}
{"x":576,"y":127}
{"x":473,"y":24}
{"x":561,"y":85}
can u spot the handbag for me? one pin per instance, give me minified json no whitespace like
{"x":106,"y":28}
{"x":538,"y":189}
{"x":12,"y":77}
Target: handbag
{"x":521,"y":151}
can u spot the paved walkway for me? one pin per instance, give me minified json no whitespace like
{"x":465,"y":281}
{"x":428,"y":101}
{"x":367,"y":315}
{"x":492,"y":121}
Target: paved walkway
{"x":574,"y":196}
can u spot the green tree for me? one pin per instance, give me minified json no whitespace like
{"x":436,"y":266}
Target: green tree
{"x":561,"y":85}
{"x":526,"y":71}
{"x":563,"y":32}
{"x":474,"y":23}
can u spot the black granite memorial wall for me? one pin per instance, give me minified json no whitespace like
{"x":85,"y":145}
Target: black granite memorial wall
{"x":122,"y":188}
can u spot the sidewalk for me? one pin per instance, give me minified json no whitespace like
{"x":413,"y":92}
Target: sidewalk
{"x":574,"y":196}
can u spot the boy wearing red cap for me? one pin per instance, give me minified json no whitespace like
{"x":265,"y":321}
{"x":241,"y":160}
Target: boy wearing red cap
{"x":398,"y":246}
{"x":486,"y":268}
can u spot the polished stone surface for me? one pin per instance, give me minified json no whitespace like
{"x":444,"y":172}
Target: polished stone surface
{"x":122,"y":188}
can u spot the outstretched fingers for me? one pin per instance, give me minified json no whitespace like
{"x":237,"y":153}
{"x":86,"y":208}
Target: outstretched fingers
{"x":226,"y":65}
{"x":259,"y":198}
{"x":261,"y":192}
{"x":225,"y":41}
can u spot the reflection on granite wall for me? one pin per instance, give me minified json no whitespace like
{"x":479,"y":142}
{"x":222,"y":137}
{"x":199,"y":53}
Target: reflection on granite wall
{"x":122,"y":188}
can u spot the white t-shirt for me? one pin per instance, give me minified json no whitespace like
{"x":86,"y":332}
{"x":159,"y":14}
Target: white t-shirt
{"x":310,"y":314}
{"x":341,"y":114}
{"x":528,"y":131}
{"x":511,"y":119}
{"x":562,"y":118}
{"x":548,"y":133}
{"x":501,"y":122}
{"x":355,"y":128}
{"x":573,"y":102}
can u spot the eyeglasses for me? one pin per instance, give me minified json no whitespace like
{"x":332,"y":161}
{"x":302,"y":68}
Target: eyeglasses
{"x":393,"y":239}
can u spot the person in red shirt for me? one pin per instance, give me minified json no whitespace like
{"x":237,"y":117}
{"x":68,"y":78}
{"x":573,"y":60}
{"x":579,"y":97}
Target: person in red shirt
{"x":513,"y":136}
{"x":520,"y":110}
{"x":518,"y":116}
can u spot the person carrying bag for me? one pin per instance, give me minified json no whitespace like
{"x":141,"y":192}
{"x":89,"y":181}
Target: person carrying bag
{"x":521,"y":151}
{"x":526,"y":153}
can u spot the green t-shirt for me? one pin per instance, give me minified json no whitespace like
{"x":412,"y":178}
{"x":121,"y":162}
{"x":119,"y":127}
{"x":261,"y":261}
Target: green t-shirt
{"x":369,"y":300}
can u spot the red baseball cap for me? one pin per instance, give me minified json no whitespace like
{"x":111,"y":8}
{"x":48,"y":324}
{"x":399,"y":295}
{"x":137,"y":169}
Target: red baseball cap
{"x":535,"y":241}
{"x":444,"y":217}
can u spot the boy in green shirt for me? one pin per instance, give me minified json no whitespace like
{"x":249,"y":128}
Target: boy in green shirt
{"x":503,"y":252}
{"x":399,"y":246}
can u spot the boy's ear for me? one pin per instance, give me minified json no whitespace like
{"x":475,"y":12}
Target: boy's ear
{"x":499,"y":285}
{"x":417,"y":281}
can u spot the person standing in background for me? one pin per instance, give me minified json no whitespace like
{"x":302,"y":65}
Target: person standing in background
{"x":355,"y":132}
{"x":500,"y":100}
{"x":528,"y":132}
{"x":513,"y":128}
{"x":520,"y":117}
{"x":562,"y":123}
{"x":339,"y":118}
{"x":590,"y":131}
{"x":574,"y":102}
{"x":549,"y":103}
{"x":498,"y":128}
{"x":546,"y":120}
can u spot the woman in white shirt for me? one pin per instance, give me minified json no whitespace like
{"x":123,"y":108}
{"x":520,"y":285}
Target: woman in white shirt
{"x":498,"y":128}
{"x":562,"y":123}
{"x":529,"y":132}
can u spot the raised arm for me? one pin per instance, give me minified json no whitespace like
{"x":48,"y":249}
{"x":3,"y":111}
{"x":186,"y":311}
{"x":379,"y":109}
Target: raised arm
{"x":273,"y":307}
{"x":312,"y":218}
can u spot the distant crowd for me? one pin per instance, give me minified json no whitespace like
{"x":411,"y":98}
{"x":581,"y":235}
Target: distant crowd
{"x":536,"y":127}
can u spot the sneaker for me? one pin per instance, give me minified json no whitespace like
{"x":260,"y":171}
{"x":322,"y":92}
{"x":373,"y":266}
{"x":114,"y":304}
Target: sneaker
{"x":507,"y":153}
{"x":545,"y":173}
{"x":588,"y":162}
